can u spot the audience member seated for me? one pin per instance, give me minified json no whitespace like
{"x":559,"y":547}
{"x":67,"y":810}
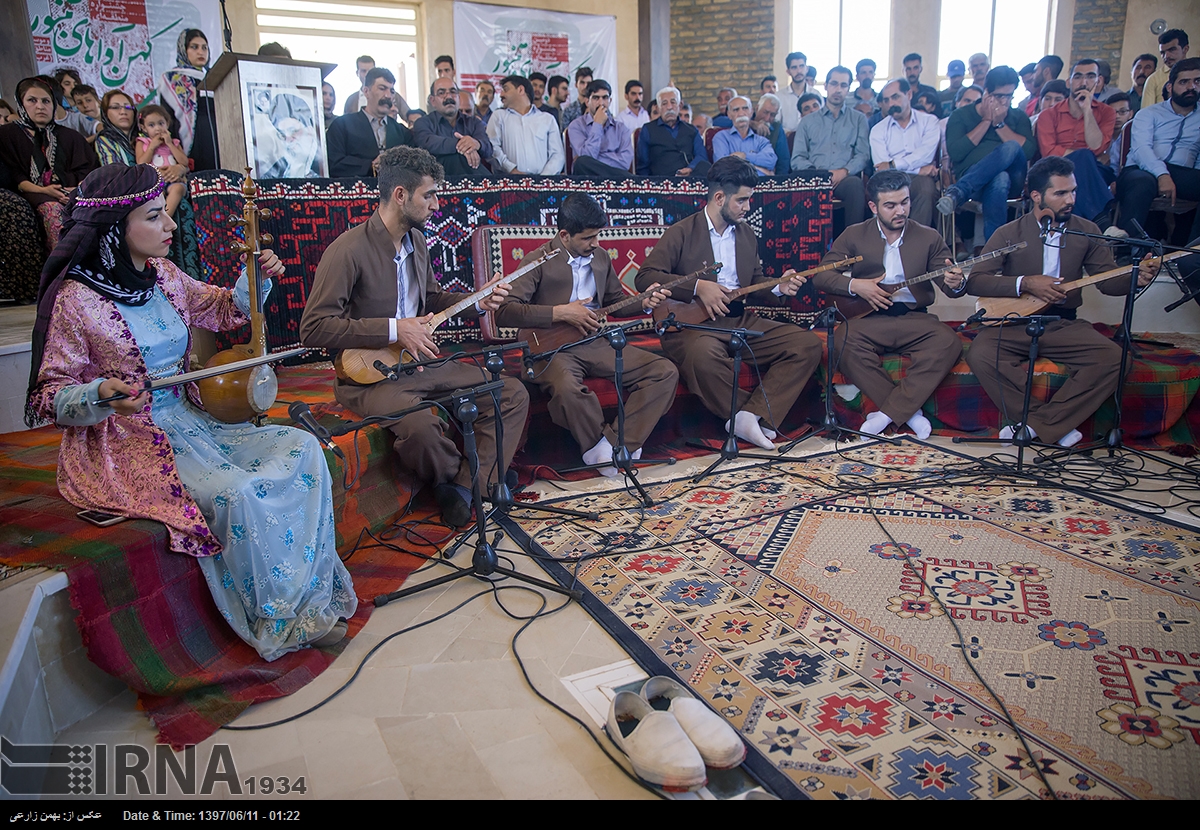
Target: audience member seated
{"x":789,"y":97}
{"x":182,"y":90}
{"x":47,"y":161}
{"x":525,"y":140}
{"x":117,"y":144}
{"x":1172,"y":47}
{"x":634,"y":115}
{"x":458,"y":140}
{"x":20,"y":231}
{"x":1048,"y":68}
{"x":667,"y":146}
{"x":907,"y":140}
{"x":1053,"y":93}
{"x":865,"y":100}
{"x":990,"y":146}
{"x":328,"y":103}
{"x":601,"y":143}
{"x":836,"y":138}
{"x":1104,"y":88}
{"x":1080,"y":129}
{"x":558,"y":89}
{"x":743,"y":142}
{"x":928,"y":102}
{"x":955,"y":73}
{"x":979,"y":66}
{"x":66,"y":81}
{"x":356,"y":141}
{"x":809,"y":103}
{"x":485,"y":93}
{"x":443,"y":67}
{"x":1028,"y":73}
{"x":158,"y":149}
{"x":575,"y":109}
{"x":769,"y":84}
{"x":766,"y":122}
{"x":913,"y":65}
{"x":1122,"y":107}
{"x":87,"y":112}
{"x":356,"y":102}
{"x":1164,"y":147}
{"x":722,"y":119}
{"x":7,"y":112}
{"x":1143,"y":67}
{"x":538,"y":80}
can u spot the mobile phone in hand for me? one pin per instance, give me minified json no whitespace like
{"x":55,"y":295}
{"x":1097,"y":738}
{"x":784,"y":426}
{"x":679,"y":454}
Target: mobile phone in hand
{"x":99,"y":518}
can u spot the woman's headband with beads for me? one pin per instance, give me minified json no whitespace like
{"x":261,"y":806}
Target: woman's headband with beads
{"x":128,"y":199}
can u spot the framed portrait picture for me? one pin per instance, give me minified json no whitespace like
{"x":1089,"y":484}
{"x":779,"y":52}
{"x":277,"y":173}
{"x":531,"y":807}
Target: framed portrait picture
{"x":284,"y":125}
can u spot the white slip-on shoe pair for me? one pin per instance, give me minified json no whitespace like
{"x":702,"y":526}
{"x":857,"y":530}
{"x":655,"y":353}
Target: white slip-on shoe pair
{"x":670,"y":736}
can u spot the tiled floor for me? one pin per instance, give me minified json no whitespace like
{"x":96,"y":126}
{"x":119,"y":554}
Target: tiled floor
{"x":442,"y":711}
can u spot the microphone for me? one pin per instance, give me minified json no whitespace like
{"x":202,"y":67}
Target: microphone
{"x":299,"y":412}
{"x":974,"y":318}
{"x":1045,"y":223}
{"x":527,"y":362}
{"x":385,"y":370}
{"x":667,"y":322}
{"x":1138,"y":229}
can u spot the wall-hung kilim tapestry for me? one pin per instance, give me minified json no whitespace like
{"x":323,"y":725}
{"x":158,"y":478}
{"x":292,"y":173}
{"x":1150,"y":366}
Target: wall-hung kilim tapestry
{"x":776,"y":596}
{"x":792,"y":218}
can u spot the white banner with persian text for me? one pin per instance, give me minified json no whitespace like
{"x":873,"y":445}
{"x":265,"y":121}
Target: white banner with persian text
{"x":493,"y":41}
{"x":118,"y":44}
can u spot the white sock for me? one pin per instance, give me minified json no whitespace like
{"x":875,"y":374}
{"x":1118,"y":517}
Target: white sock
{"x":767,"y":431}
{"x":746,"y":427}
{"x":603,"y":451}
{"x":1071,"y":438}
{"x":920,"y":425}
{"x":876,"y":423}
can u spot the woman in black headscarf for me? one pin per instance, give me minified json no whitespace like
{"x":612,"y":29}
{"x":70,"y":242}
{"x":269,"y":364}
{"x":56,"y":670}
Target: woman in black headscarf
{"x":252,"y":504}
{"x":47,"y":161}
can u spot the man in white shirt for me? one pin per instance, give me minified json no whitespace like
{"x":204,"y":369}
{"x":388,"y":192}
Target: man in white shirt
{"x":525,"y":140}
{"x":908,"y":140}
{"x":789,"y":96}
{"x":634,"y":115}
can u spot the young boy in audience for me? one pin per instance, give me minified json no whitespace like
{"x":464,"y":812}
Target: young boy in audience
{"x":88,"y":104}
{"x":157,"y":147}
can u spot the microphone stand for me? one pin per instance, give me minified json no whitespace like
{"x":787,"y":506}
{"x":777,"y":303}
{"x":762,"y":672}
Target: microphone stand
{"x":737,"y":341}
{"x":499,"y":494}
{"x":1113,"y":441}
{"x":829,"y":425}
{"x":485,"y":562}
{"x":1022,"y":437}
{"x":622,"y":459}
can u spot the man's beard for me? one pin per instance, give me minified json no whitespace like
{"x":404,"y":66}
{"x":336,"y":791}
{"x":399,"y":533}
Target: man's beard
{"x":1185,"y":99}
{"x":729,"y":219}
{"x":896,"y":223}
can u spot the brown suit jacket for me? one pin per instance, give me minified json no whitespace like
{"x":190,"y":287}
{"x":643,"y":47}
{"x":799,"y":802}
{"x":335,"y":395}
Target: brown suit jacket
{"x":531,"y":299}
{"x":923,"y":250}
{"x":355,"y":290}
{"x":686,"y":248}
{"x":998,"y":277}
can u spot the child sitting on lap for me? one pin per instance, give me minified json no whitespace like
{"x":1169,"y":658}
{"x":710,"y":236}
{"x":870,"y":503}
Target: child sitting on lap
{"x":157,"y":147}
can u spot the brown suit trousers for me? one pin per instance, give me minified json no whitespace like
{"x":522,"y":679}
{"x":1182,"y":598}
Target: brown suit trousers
{"x":1091,"y":358}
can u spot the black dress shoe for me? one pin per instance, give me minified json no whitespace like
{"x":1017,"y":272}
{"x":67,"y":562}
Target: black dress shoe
{"x":512,"y":479}
{"x":455,"y":504}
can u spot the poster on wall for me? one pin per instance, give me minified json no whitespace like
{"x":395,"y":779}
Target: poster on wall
{"x":493,"y":41}
{"x":118,"y":44}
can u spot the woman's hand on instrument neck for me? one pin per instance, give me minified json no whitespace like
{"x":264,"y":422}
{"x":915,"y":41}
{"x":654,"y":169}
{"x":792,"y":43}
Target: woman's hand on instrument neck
{"x":268,"y":263}
{"x":136,"y":402}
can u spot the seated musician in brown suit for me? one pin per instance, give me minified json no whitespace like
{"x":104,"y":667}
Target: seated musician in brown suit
{"x":893,"y":249}
{"x":565,"y":290}
{"x":786,"y":355}
{"x":999,"y":355}
{"x":374,"y":287}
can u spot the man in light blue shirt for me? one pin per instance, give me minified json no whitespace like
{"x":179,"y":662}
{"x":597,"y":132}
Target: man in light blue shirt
{"x":603,"y":146}
{"x":836,"y":138}
{"x":524,"y":139}
{"x":741,"y":141}
{"x":1163,"y":150}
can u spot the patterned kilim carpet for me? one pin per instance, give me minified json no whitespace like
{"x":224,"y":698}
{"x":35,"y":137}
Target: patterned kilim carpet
{"x":777,"y":598}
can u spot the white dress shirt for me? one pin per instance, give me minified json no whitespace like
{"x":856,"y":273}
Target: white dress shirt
{"x":1051,"y":256}
{"x":530,"y":143}
{"x":632,"y":121}
{"x":893,"y":266}
{"x":908,"y":148}
{"x":583,"y":281}
{"x":408,"y":298}
{"x":724,"y":246}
